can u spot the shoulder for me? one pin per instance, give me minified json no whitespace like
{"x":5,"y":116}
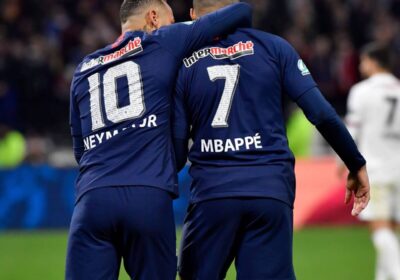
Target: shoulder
{"x":359,"y":93}
{"x":360,"y":88}
{"x":87,"y":65}
{"x":262,"y":36}
{"x":173,"y":29}
{"x":274,"y":44}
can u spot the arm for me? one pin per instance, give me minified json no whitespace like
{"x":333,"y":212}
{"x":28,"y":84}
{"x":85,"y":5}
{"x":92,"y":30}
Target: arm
{"x":220,"y":22}
{"x":180,"y":126}
{"x":321,"y":114}
{"x":300,"y":86}
{"x":302,"y":89}
{"x":203,"y":31}
{"x":76,"y":131}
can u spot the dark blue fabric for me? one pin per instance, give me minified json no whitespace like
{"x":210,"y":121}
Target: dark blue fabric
{"x":133,"y":223}
{"x":140,"y":156}
{"x":256,"y":111}
{"x":324,"y":117}
{"x":256,"y":232}
{"x":181,"y":151}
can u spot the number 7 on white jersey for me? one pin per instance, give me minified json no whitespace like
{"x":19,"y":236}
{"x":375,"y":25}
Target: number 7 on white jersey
{"x":231,"y":74}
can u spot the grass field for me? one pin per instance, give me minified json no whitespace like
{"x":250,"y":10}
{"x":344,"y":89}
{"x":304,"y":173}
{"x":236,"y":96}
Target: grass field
{"x":319,"y":254}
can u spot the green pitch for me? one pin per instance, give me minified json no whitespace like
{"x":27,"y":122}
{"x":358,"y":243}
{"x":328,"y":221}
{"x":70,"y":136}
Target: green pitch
{"x":319,"y":253}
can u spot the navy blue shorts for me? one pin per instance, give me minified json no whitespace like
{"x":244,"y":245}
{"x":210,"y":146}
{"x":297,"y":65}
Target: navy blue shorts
{"x":256,"y":232}
{"x":135,"y":224}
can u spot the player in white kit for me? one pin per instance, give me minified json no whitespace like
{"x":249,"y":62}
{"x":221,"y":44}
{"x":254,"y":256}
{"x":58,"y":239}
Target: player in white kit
{"x":374,"y":121}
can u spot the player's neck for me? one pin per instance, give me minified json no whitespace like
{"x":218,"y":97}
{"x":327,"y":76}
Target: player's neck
{"x":135,"y":24}
{"x":380,"y":71}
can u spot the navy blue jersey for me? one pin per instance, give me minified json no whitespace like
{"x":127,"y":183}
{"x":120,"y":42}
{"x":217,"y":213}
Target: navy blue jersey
{"x":120,"y":102}
{"x":230,"y":94}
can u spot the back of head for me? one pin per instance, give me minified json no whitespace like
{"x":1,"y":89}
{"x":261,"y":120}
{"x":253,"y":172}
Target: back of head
{"x":378,"y":53}
{"x":136,"y":7}
{"x":202,"y":7}
{"x":145,"y":15}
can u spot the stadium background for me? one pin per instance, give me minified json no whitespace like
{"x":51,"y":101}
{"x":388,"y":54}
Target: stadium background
{"x":42,"y":41}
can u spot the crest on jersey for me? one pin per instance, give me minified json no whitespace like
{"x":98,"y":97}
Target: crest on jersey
{"x":131,"y":48}
{"x":233,"y":52}
{"x":303,"y":68}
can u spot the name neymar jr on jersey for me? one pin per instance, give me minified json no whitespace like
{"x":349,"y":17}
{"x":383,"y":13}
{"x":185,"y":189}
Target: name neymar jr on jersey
{"x":94,"y":140}
{"x":233,"y":52}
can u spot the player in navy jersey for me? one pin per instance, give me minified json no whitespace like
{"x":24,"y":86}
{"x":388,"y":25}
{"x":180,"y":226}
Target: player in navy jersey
{"x":120,"y":123}
{"x":229,"y":102}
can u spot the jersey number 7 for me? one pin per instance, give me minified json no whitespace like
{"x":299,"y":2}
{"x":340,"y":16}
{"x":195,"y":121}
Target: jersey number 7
{"x":231,"y":74}
{"x":393,"y":106}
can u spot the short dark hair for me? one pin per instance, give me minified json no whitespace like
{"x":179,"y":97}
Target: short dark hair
{"x":379,"y":53}
{"x":130,"y":7}
{"x":205,"y":4}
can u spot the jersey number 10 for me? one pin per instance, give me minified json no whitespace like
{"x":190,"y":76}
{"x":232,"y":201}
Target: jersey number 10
{"x":114,"y":113}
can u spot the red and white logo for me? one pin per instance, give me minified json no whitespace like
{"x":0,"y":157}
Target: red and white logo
{"x":132,"y":48}
{"x":233,"y":52}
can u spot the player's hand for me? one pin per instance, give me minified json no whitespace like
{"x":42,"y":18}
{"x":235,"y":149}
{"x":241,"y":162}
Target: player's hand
{"x":358,"y":186}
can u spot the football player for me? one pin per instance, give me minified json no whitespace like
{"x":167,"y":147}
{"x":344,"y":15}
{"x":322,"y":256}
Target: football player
{"x":374,"y":121}
{"x":229,"y":102}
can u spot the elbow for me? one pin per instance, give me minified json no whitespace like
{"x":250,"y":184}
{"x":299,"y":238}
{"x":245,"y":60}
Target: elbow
{"x":181,"y":153}
{"x":78,"y":157}
{"x":326,"y":116}
{"x":316,"y":108}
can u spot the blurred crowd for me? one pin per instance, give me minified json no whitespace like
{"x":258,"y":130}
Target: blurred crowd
{"x":42,"y":41}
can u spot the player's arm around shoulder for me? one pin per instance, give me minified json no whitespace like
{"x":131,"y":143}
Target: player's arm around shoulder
{"x":184,"y":38}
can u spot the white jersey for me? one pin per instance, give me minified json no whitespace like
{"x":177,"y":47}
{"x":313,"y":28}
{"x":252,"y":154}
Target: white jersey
{"x":374,"y":122}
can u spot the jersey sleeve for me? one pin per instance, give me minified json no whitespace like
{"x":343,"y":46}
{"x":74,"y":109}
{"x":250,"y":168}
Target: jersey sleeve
{"x":75,"y":125}
{"x":184,"y":38}
{"x":296,"y":77}
{"x":324,"y":117}
{"x":354,"y":112}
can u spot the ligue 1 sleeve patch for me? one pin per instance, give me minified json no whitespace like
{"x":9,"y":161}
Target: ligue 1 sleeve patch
{"x":303,"y":68}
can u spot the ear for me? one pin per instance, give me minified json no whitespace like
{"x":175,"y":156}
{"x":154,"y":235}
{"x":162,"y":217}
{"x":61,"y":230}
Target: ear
{"x":152,"y":20}
{"x":193,"y":14}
